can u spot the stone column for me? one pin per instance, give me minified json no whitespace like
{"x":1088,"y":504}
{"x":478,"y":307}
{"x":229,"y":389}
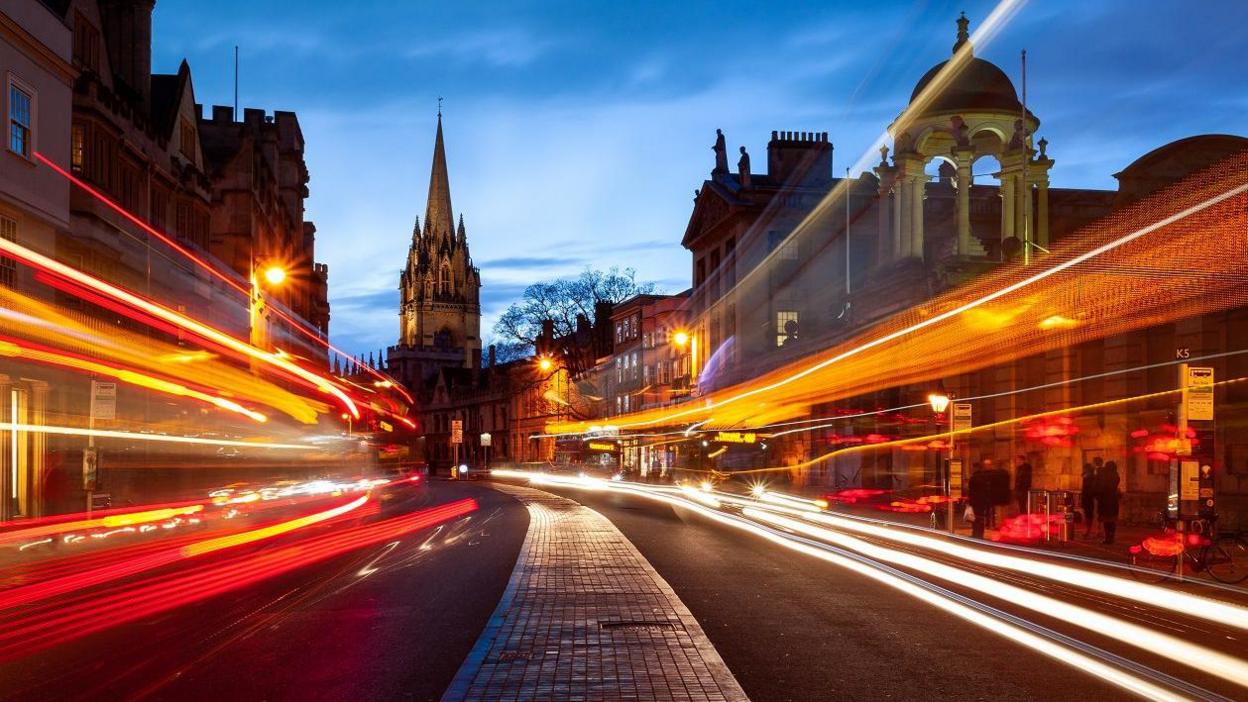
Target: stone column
{"x":901,"y":218}
{"x":917,"y":183}
{"x":1042,"y":214}
{"x":1007,"y":204}
{"x":963,"y":159}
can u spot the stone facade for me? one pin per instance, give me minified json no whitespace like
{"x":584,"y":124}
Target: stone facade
{"x":439,"y":291}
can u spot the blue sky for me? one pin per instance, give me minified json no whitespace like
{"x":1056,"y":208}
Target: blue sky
{"x":577,"y":132}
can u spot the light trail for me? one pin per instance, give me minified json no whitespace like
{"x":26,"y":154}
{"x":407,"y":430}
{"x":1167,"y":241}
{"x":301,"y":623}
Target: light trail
{"x":61,"y":622}
{"x":112,"y":520}
{"x":297,"y":324}
{"x":133,"y":377}
{"x":1088,"y":660}
{"x":277,"y":360}
{"x":139,"y":436}
{"x":1225,"y":180}
{"x":270,"y":531}
{"x":1176,"y":601}
{"x":1219,"y":664}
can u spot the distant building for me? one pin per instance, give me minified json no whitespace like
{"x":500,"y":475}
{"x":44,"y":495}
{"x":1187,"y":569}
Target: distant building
{"x":439,"y":291}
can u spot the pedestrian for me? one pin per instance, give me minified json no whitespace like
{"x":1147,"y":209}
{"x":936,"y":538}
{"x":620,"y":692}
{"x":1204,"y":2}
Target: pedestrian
{"x":1107,"y":480}
{"x":1087,"y":498}
{"x":1022,"y":483}
{"x":979,"y":497}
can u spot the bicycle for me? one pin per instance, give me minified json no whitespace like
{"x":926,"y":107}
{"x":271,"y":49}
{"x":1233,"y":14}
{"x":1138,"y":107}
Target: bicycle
{"x":1224,"y":557}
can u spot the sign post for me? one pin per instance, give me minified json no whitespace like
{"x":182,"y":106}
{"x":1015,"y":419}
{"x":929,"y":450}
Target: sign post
{"x":457,"y":438}
{"x":486,"y":441}
{"x":103,"y":406}
{"x":959,"y":420}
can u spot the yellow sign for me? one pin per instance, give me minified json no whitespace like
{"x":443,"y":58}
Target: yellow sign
{"x":736,"y":437}
{"x":386,"y":426}
{"x":1199,"y":394}
{"x":601,"y":446}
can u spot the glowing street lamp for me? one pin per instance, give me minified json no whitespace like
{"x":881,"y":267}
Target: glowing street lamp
{"x":274,"y":275}
{"x":545,"y":363}
{"x":939,"y":400}
{"x":681,"y":338}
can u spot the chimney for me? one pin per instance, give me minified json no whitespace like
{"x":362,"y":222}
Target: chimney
{"x":800,"y":158}
{"x":493,"y":356}
{"x":128,"y":36}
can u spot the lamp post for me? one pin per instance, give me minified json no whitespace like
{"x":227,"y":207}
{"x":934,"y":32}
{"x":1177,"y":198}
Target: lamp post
{"x":939,"y":400}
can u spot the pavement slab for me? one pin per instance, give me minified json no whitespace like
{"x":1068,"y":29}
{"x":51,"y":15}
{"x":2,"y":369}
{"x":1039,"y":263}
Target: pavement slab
{"x":585,"y":617}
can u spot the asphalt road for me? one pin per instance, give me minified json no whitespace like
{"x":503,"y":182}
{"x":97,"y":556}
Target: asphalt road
{"x":382,"y":622}
{"x":795,"y":628}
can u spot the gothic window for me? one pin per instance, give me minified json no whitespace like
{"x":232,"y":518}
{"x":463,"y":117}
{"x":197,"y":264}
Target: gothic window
{"x":442,"y":339}
{"x":444,"y":286}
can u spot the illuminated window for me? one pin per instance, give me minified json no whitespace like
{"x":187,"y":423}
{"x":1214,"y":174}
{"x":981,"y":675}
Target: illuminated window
{"x":784,"y":330}
{"x":77,"y":147}
{"x":21,"y":108}
{"x":8,"y":266}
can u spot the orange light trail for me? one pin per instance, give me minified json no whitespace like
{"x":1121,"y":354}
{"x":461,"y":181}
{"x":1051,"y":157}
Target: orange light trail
{"x":998,"y":318}
{"x":298,"y":325}
{"x":139,"y":436}
{"x":277,"y":359}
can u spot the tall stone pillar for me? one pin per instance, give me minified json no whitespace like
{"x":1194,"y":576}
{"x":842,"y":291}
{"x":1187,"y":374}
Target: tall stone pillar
{"x":1042,"y":211}
{"x":963,"y":159}
{"x":902,"y":210}
{"x":917,"y":183}
{"x":1007,"y":204}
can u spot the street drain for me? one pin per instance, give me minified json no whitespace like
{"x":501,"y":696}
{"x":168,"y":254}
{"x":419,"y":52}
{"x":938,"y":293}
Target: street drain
{"x":637,"y":625}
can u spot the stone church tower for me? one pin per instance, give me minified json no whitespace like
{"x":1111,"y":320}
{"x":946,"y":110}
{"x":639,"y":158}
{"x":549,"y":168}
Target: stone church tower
{"x":439,"y":290}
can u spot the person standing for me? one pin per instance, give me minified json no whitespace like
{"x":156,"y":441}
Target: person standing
{"x":979,"y":496}
{"x":1087,"y":498}
{"x":1107,"y":480}
{"x":1022,"y":483}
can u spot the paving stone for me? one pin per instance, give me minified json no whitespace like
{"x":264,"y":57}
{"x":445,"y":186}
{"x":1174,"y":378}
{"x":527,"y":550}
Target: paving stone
{"x":585,"y":617}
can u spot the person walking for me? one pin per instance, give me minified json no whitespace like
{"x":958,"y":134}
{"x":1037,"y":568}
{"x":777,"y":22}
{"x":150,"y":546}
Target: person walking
{"x":1022,"y":483}
{"x":1087,"y":497}
{"x":979,"y":497}
{"x":1107,"y":480}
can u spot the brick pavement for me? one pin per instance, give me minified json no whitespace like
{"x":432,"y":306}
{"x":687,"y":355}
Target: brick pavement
{"x":585,"y":617}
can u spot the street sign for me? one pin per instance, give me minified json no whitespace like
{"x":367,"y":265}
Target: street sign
{"x":90,"y":468}
{"x":961,"y":416}
{"x":1200,"y":394}
{"x":457,"y":431}
{"x":103,"y":400}
{"x":736,"y":437}
{"x":1189,"y":482}
{"x":385,"y":426}
{"x":486,"y":439}
{"x":955,"y":478}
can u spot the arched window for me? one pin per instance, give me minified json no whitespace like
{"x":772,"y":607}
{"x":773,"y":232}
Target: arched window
{"x":444,"y":286}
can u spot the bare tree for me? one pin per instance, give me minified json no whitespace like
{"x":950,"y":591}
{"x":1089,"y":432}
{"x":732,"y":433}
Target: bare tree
{"x":562,"y":300}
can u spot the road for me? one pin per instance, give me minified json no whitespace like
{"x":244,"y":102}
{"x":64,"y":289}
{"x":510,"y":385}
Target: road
{"x":394,"y":618}
{"x":379,"y":622}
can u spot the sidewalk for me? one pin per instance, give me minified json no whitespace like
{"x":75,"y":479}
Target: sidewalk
{"x":585,"y":617}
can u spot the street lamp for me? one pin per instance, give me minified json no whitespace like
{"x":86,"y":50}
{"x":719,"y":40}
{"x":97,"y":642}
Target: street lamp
{"x":274,"y":275}
{"x":545,"y":363}
{"x":681,"y":338}
{"x":939,"y":399}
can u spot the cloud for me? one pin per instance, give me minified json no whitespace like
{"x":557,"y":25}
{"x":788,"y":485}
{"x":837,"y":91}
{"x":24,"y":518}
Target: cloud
{"x":527,"y":262}
{"x":502,"y":48}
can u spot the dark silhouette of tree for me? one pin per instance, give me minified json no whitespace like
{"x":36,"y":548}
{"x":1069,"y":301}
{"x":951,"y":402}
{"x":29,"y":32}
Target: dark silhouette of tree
{"x":562,"y":300}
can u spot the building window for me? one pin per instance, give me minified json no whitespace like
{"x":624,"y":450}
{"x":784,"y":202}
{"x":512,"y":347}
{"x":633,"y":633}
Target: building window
{"x":445,"y":285}
{"x":786,"y":326}
{"x":77,"y":147}
{"x":187,"y":139}
{"x":21,"y":108}
{"x":86,"y":43}
{"x":8,"y":266}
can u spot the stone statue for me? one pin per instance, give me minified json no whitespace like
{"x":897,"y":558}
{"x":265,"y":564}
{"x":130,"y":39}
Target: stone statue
{"x":1018,"y":140}
{"x":884,"y":155}
{"x":743,"y":168}
{"x":957,"y":126}
{"x":721,"y":153}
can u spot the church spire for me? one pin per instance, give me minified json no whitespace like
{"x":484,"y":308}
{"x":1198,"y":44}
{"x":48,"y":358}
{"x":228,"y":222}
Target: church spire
{"x":964,"y":36}
{"x":438,"y":218}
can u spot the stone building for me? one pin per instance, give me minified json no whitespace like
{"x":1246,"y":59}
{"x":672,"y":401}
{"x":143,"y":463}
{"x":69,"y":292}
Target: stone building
{"x":36,"y":65}
{"x":259,"y":184}
{"x":795,"y":260}
{"x":439,"y":291}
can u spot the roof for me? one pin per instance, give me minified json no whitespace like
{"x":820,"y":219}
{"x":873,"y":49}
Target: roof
{"x":167,"y":98}
{"x":979,"y":86}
